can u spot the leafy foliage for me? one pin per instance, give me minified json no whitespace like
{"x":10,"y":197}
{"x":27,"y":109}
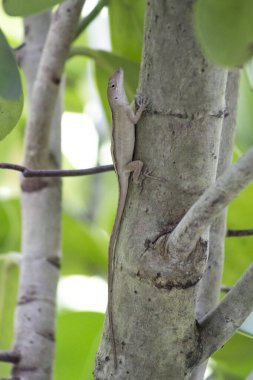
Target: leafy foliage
{"x":25,"y":8}
{"x":235,"y":358}
{"x":126,"y":25}
{"x":126,"y":30}
{"x":78,"y":336}
{"x":8,"y":294}
{"x":224,"y":29}
{"x":106,"y":63}
{"x":11,"y":95}
{"x":84,"y":248}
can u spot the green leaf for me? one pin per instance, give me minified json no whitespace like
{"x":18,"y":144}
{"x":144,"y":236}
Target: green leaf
{"x":75,"y":84}
{"x":249,"y":71}
{"x":84,"y":248}
{"x":224,"y":29}
{"x":10,"y":221}
{"x":109,"y":62}
{"x":11,"y":95}
{"x":78,"y":336}
{"x":8,"y":295}
{"x":126,"y":27}
{"x":103,"y":73}
{"x":235,"y":357}
{"x":106,"y":63}
{"x":25,"y":8}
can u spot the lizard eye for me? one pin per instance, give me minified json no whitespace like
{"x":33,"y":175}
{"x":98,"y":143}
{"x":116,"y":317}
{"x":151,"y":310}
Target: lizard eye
{"x":113,"y":85}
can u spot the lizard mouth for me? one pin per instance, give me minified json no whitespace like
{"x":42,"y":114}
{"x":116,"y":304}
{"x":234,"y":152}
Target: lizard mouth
{"x":120,"y":76}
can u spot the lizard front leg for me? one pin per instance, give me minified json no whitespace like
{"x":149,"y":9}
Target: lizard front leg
{"x":134,"y":117}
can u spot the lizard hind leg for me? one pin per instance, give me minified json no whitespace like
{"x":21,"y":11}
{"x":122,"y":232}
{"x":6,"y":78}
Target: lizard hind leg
{"x":134,"y":167}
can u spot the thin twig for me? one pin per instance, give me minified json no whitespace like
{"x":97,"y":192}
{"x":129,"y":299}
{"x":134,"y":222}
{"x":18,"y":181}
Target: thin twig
{"x":90,"y":17}
{"x":9,"y":356}
{"x":55,"y":172}
{"x":239,"y":233}
{"x":225,"y":288}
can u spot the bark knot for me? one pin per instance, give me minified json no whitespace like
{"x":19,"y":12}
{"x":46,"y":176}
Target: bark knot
{"x":167,"y":271}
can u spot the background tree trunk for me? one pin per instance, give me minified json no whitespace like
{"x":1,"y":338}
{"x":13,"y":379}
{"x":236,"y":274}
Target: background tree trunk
{"x":41,"y":219}
{"x":209,"y":289}
{"x":41,"y":198}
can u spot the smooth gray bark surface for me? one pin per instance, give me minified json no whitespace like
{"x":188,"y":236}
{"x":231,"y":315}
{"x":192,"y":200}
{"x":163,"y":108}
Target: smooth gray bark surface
{"x":209,"y":287}
{"x":210,"y":284}
{"x":41,"y":213}
{"x":41,"y":198}
{"x":178,"y":141}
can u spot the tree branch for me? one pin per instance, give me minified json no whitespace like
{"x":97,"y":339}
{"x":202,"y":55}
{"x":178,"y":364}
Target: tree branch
{"x":222,"y":322}
{"x":225,"y":288}
{"x":55,"y":172}
{"x":239,"y":233}
{"x":90,"y":17}
{"x":185,"y":236}
{"x":9,"y":356}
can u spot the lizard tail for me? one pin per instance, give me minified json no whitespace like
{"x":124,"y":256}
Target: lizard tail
{"x":123,"y":187}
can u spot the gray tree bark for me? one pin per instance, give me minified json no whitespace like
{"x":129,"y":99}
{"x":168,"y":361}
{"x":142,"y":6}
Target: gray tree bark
{"x":178,"y":140}
{"x":209,"y":289}
{"x":43,"y":59}
{"x":35,"y":313}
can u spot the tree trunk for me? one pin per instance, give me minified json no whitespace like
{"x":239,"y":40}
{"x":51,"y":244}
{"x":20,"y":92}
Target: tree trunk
{"x":41,"y":219}
{"x":178,"y":140}
{"x":41,"y":197}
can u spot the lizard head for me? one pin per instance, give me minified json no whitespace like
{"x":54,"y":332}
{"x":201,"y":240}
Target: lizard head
{"x":115,"y":90}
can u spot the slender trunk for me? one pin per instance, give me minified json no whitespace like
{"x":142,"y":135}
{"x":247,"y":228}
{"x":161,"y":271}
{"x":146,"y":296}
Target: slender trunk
{"x":41,"y":197}
{"x":209,"y":290}
{"x":211,"y":282}
{"x":178,"y":141}
{"x":41,"y":218}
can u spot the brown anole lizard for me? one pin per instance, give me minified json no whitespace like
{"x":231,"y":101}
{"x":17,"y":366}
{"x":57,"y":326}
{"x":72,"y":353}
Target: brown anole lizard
{"x":122,"y":149}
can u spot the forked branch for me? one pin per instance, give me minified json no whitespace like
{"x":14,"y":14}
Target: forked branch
{"x":184,"y":238}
